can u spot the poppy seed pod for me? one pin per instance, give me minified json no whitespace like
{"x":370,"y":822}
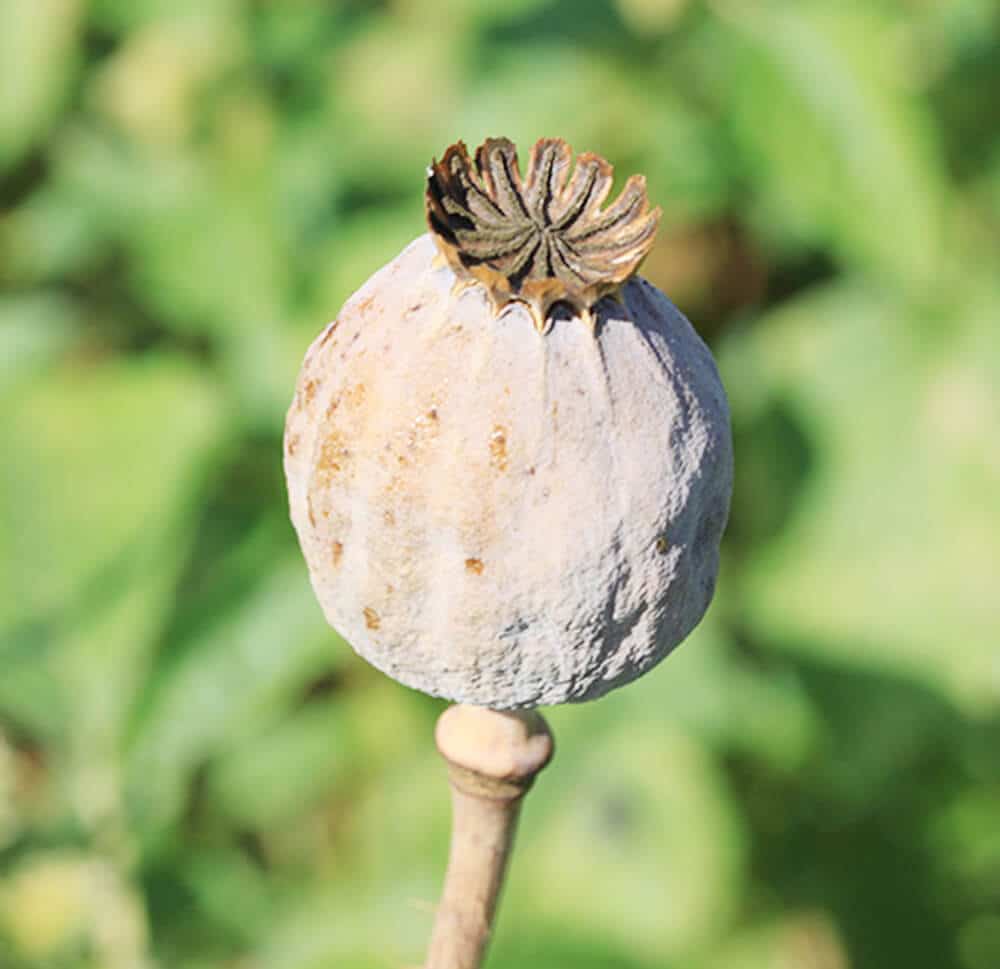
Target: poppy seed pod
{"x":508,"y":459}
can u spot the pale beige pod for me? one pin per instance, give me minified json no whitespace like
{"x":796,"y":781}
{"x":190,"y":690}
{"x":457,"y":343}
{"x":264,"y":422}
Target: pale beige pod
{"x":509,"y":459}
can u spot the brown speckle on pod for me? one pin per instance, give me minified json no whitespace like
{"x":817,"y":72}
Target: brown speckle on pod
{"x":328,"y":332}
{"x":498,"y":447}
{"x":334,"y":453}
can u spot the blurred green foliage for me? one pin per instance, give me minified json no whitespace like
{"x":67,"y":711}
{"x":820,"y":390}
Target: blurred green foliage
{"x":195,"y":773}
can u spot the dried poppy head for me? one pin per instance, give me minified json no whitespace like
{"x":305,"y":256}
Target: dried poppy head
{"x":500,"y":503}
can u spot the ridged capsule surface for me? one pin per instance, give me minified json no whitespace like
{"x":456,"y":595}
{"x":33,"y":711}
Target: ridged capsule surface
{"x":502,"y":516}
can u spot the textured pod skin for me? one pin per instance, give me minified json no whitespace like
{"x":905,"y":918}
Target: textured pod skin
{"x":503,"y":517}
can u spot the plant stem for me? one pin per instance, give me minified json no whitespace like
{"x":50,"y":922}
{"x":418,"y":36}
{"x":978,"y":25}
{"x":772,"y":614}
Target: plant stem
{"x":492,"y":758}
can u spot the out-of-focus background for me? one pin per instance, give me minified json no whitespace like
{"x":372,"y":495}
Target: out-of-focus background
{"x":195,"y":773}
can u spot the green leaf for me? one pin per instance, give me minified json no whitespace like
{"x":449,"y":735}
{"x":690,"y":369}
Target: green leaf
{"x":808,"y":940}
{"x":289,"y":768}
{"x":710,"y":690}
{"x":888,"y":558}
{"x":236,"y":677}
{"x":92,"y":542}
{"x":630,"y":841}
{"x":38,"y":53}
{"x":35,"y":329}
{"x":838,"y":150}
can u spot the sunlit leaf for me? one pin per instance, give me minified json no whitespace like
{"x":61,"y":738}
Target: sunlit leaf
{"x":662,"y":864}
{"x":95,"y":523}
{"x":238,"y":675}
{"x":34,"y":331}
{"x":38,"y":57}
{"x":838,"y":150}
{"x":889,"y":561}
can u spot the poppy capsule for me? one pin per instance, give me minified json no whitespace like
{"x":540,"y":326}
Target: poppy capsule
{"x":509,"y":458}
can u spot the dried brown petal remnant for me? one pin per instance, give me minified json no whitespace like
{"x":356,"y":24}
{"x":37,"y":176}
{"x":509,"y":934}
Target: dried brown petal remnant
{"x":542,"y":239}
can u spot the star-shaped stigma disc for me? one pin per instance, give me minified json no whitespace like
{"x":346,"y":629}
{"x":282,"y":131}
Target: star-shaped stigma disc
{"x":543,"y":239}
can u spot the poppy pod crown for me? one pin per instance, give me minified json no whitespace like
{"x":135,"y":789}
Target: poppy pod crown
{"x":542,"y":238}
